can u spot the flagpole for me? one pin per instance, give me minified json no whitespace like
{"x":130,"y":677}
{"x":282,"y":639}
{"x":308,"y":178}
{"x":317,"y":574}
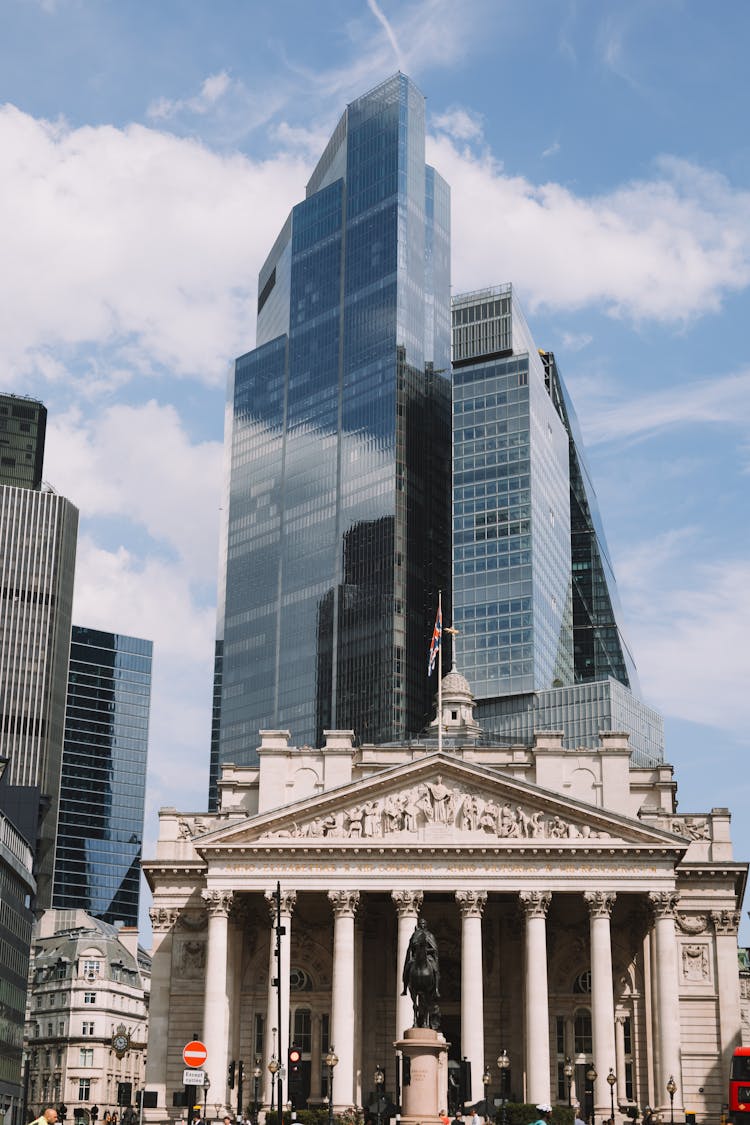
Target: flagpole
{"x":440,"y":676}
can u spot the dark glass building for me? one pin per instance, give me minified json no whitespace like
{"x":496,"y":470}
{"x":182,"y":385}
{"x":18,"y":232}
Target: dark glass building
{"x":23,"y":426}
{"x":102,"y":793}
{"x":338,"y":534}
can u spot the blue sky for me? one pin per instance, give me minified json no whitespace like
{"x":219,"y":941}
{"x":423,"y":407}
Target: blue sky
{"x":599,"y":158}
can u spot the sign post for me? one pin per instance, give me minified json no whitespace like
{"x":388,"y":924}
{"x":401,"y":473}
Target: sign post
{"x":194,"y":1054}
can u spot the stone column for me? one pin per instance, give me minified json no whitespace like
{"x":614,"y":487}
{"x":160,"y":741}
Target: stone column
{"x":535,"y":905}
{"x":288,"y":902}
{"x":315,"y":1055}
{"x":472,"y":905}
{"x":344,"y":905}
{"x":216,"y":1004}
{"x":667,"y":997}
{"x":163,"y":920}
{"x":600,"y":905}
{"x":726,"y":924}
{"x":408,"y":904}
{"x":620,"y":1055}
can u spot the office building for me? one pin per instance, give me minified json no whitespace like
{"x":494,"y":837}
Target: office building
{"x":337,"y":535}
{"x":23,"y":427}
{"x":534,"y":594}
{"x":87,"y":1016}
{"x":103,"y":787}
{"x":17,"y":888}
{"x":38,"y":532}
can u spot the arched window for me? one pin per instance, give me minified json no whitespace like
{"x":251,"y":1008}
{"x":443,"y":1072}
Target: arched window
{"x":582,"y":983}
{"x":303,"y":1030}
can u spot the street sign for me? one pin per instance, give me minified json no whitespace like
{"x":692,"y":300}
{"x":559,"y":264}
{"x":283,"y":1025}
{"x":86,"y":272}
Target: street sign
{"x":194,"y":1053}
{"x":193,"y":1077}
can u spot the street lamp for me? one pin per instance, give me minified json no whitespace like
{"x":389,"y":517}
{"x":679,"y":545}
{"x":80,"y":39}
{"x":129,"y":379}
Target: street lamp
{"x":206,"y":1088}
{"x":671,"y":1090}
{"x":273,"y":1067}
{"x":486,"y":1079}
{"x":330,"y":1060}
{"x":568,"y":1072}
{"x":257,"y":1072}
{"x":592,"y":1076}
{"x":379,"y":1082}
{"x":612,"y":1078}
{"x":503,"y":1063}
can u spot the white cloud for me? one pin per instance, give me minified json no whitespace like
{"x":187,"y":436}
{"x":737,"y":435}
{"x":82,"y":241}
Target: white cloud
{"x":666,"y":249}
{"x":377,"y":11}
{"x":131,"y":239}
{"x":576,"y":341}
{"x":138,"y":464}
{"x":552,"y":150}
{"x":212,"y":90}
{"x":459,"y":123}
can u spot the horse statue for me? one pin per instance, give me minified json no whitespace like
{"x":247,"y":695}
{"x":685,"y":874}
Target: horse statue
{"x":421,"y":976}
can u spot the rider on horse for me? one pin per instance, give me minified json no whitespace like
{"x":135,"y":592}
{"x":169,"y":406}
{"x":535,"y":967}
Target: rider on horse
{"x":422,"y":935}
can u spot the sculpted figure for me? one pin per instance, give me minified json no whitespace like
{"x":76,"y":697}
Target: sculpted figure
{"x":409,"y":811}
{"x":392,"y":811}
{"x":371,"y":823}
{"x":421,"y":976}
{"x":441,"y":796}
{"x":355,"y":821}
{"x":488,"y":819}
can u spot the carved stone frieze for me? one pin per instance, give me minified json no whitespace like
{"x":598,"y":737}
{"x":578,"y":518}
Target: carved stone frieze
{"x":472,"y":903}
{"x":218,"y":903}
{"x":600,"y":903}
{"x":344,"y":903}
{"x":695,"y":963}
{"x":725,"y":921}
{"x":535,"y":904}
{"x":191,"y":959}
{"x":694,"y":827}
{"x":163,"y":918}
{"x":192,"y":920}
{"x":663,"y":903}
{"x":190,"y":826}
{"x":695,"y":924}
{"x":407,"y":901}
{"x":432,"y":803}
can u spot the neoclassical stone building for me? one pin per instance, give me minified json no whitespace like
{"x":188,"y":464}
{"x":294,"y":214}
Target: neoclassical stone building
{"x":578,"y":916}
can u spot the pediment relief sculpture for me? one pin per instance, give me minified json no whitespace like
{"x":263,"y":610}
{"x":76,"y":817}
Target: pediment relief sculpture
{"x":416,"y":810}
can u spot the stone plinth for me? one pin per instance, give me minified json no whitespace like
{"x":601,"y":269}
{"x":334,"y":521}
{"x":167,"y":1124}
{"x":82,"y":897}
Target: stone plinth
{"x":424,"y":1097}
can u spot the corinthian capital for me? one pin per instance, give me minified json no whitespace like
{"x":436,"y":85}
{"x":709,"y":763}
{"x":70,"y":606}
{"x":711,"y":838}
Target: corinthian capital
{"x":288,"y":903}
{"x":408,"y":903}
{"x":344,"y":903}
{"x":163,"y":918}
{"x":600,"y":903}
{"x":725,"y":921}
{"x":663,"y":903}
{"x":471,"y":903}
{"x":218,"y":903}
{"x":535,"y":904}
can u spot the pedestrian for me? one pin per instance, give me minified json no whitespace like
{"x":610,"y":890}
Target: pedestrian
{"x":578,"y":1119}
{"x":48,"y":1117}
{"x":475,"y":1118}
{"x":545,"y":1114}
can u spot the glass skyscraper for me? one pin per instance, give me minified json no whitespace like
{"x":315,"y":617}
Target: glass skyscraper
{"x":337,"y":529}
{"x":534,"y":594}
{"x":102,"y":793}
{"x":23,"y":428}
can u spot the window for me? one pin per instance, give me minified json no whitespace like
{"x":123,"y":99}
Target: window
{"x":91,"y":968}
{"x":61,"y":1027}
{"x":89,"y":998}
{"x":84,"y":1089}
{"x":87,"y":1028}
{"x":582,"y":1032}
{"x":50,"y":1029}
{"x":302,"y":1030}
{"x":86,"y":1056}
{"x":260,"y":1027}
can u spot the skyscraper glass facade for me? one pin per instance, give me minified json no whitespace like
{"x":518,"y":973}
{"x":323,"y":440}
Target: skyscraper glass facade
{"x":338,"y":535}
{"x":512,"y":593}
{"x":102,"y":794}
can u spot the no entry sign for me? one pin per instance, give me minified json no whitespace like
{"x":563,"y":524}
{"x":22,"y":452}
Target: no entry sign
{"x":194,"y":1053}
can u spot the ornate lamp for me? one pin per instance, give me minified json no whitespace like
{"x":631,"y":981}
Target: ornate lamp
{"x":503,"y":1063}
{"x":568,"y":1072}
{"x":330,"y":1060}
{"x":671,"y":1090}
{"x":612,"y":1078}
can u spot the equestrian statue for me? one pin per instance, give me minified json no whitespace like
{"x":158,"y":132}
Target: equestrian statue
{"x":421,"y":977}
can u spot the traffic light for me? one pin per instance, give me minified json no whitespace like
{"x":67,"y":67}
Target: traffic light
{"x":230,"y":1075}
{"x":62,"y":1112}
{"x":295,"y":1076}
{"x":94,"y":1111}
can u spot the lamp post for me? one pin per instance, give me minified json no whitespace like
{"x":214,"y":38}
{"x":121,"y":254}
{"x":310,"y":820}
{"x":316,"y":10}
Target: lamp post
{"x":379,"y":1082}
{"x":486,"y":1079}
{"x":568,"y":1072}
{"x":206,"y":1088}
{"x":591,"y":1077}
{"x":612,"y":1078}
{"x":330,"y":1060}
{"x":257,"y":1072}
{"x":503,"y":1063}
{"x":273,"y":1067}
{"x":671,"y":1090}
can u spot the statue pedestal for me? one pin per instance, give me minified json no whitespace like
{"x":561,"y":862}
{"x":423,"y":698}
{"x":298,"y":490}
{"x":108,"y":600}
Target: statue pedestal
{"x":426,"y":1094}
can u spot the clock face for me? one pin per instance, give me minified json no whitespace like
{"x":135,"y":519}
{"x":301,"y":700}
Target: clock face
{"x":120,"y":1042}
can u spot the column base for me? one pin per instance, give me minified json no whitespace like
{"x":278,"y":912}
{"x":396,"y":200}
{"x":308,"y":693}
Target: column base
{"x":423,"y":1099}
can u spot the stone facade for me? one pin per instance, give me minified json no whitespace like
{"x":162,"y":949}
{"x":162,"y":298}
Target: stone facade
{"x":577,"y":915}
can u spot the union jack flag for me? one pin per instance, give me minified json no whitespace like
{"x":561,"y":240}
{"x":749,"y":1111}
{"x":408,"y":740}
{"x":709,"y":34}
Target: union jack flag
{"x":437,"y":635}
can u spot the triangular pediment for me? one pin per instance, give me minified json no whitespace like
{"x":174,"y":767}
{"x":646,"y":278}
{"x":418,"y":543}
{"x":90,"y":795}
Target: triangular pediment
{"x":438,"y":800}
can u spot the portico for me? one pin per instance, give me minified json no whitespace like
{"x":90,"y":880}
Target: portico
{"x":562,"y":889}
